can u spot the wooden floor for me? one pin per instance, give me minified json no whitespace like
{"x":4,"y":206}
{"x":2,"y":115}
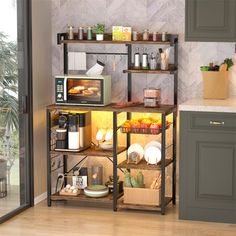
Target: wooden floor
{"x":11,"y":201}
{"x":73,"y":221}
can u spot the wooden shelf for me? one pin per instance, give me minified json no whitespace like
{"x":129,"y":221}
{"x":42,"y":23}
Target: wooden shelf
{"x":82,"y":198}
{"x":171,"y":70}
{"x":91,"y":152}
{"x":62,"y":38}
{"x":142,"y":165}
{"x":122,"y":205}
{"x":163,"y":109}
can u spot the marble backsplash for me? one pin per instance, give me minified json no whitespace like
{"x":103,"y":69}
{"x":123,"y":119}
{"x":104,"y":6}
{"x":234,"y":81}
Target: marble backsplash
{"x":158,"y":15}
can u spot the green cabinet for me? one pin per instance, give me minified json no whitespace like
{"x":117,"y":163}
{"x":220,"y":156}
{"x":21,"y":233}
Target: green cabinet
{"x":208,"y":166}
{"x":210,"y":20}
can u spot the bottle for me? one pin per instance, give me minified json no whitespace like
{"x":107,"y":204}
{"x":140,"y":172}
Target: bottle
{"x":137,"y":59}
{"x":70,"y":32}
{"x":73,"y":134}
{"x":145,"y":60}
{"x":153,"y":62}
{"x":89,"y":33}
{"x":81,"y":33}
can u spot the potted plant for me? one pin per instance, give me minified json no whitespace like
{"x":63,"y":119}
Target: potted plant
{"x":100,"y":29}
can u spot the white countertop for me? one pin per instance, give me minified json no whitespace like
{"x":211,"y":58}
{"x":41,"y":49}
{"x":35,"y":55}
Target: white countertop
{"x":210,"y":105}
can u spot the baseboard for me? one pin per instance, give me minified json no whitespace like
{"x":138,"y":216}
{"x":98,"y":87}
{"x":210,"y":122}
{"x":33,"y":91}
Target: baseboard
{"x":40,"y":198}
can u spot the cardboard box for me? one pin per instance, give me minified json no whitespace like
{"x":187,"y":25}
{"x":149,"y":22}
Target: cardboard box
{"x":215,"y":84}
{"x":117,"y":33}
{"x":142,"y":196}
{"x":127,"y":31}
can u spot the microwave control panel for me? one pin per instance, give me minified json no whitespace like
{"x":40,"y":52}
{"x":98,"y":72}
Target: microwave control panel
{"x":59,"y":90}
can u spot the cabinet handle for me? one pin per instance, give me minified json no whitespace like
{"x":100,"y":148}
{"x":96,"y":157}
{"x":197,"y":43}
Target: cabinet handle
{"x":212,"y":122}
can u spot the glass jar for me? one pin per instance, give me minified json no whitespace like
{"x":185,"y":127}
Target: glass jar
{"x":154,"y":36}
{"x":146,"y":34}
{"x":164,"y":36}
{"x":135,"y":35}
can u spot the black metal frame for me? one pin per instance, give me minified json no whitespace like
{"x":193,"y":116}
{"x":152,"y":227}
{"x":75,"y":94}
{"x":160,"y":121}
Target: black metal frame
{"x":26,"y":109}
{"x":174,"y":43}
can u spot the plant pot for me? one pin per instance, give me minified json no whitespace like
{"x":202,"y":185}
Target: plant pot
{"x":99,"y":37}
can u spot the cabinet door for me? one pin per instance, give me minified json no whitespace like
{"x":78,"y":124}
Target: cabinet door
{"x":210,"y":20}
{"x":207,"y":175}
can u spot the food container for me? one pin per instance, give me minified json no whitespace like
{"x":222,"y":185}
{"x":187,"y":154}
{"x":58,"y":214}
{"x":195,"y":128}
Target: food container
{"x":152,"y":93}
{"x":151,"y":102}
{"x":152,"y":97}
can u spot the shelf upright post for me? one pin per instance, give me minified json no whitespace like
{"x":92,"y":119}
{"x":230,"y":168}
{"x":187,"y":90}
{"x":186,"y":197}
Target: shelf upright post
{"x":65,"y":55}
{"x":176,"y":70}
{"x":129,"y":81}
{"x":163,"y":162}
{"x":174,"y":159}
{"x":115,"y":195}
{"x":48,"y":114}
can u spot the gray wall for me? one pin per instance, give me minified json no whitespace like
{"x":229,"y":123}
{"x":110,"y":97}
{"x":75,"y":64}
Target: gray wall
{"x":158,"y":15}
{"x":42,"y":87}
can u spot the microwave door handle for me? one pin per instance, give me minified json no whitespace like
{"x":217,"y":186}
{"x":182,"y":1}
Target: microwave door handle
{"x":65,"y":89}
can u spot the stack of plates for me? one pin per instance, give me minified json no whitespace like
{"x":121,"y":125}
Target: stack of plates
{"x":152,"y":152}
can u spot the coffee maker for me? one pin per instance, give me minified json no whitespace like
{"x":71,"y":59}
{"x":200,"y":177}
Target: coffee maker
{"x":74,"y":133}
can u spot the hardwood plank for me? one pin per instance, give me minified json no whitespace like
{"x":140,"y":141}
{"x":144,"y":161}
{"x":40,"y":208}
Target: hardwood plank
{"x":63,"y":219}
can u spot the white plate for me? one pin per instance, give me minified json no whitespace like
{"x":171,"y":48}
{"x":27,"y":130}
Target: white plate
{"x":153,"y":143}
{"x":152,"y":155}
{"x":106,"y":145}
{"x":136,"y":148}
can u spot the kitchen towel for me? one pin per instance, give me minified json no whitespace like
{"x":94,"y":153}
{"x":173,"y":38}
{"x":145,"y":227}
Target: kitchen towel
{"x":77,"y":61}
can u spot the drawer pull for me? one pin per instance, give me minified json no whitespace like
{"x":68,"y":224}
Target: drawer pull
{"x":217,"y":122}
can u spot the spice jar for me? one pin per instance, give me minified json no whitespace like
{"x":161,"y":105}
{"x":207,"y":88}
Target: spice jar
{"x":81,"y":33}
{"x":135,"y":35}
{"x":89,"y":33}
{"x":70,"y":32}
{"x":146,"y":35}
{"x":154,"y":36}
{"x":164,"y":36}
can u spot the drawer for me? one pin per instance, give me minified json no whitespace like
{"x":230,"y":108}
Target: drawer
{"x":213,"y":121}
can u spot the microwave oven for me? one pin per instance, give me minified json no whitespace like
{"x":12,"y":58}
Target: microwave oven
{"x":83,"y":90}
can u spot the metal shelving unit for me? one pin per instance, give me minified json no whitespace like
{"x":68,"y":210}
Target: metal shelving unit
{"x":115,"y":199}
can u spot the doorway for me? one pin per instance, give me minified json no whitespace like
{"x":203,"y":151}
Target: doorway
{"x":16,"y":187}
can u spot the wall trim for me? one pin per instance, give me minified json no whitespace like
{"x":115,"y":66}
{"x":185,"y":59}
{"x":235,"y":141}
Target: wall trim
{"x":40,"y":198}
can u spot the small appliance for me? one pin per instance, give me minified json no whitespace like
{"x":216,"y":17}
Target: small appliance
{"x":83,"y":90}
